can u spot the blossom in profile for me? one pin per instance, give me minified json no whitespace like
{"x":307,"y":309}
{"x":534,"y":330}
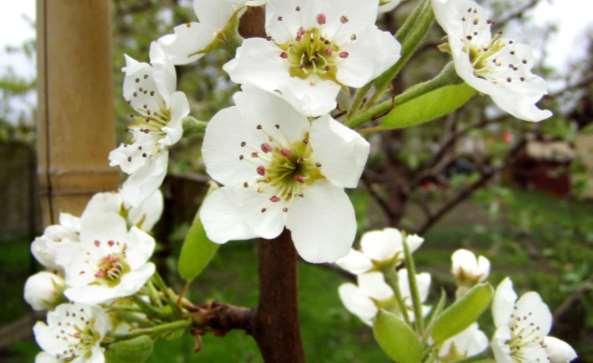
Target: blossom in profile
{"x":314,"y":49}
{"x":44,"y":290}
{"x":46,"y":247}
{"x":468,"y":269}
{"x":522,"y":328}
{"x":279,"y":169}
{"x":470,"y":342}
{"x":493,"y":65}
{"x":73,"y":333}
{"x":379,"y":249}
{"x":159,"y":110}
{"x":367,"y":297}
{"x":217,"y":21}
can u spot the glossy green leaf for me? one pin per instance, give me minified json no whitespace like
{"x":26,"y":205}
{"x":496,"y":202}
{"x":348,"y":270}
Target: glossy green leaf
{"x":136,"y":350}
{"x":462,"y":313}
{"x":196,"y":253}
{"x":397,"y":339}
{"x":428,"y":106}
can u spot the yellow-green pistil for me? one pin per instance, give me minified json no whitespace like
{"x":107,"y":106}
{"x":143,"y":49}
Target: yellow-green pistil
{"x":483,"y":59}
{"x":312,"y":54}
{"x":290,"y":169}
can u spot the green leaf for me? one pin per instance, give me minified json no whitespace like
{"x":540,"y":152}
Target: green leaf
{"x":462,"y":313}
{"x":197,"y":251}
{"x":397,"y":339}
{"x":136,"y":350}
{"x":428,"y":106}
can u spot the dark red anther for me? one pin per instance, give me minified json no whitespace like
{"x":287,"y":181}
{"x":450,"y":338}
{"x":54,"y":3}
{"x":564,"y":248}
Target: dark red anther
{"x":261,"y":170}
{"x":321,"y":19}
{"x":274,"y":199}
{"x":266,"y":148}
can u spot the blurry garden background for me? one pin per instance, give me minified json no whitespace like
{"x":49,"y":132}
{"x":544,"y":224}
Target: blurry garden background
{"x":519,"y":193}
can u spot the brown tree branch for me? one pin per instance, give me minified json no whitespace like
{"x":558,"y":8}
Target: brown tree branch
{"x":486,"y":176}
{"x":276,"y":327}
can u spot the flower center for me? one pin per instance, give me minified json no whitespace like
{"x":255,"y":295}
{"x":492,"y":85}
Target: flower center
{"x":291,"y":168}
{"x":312,"y":54}
{"x":152,"y":122}
{"x":484,"y":59}
{"x":78,"y":331}
{"x":524,"y":333}
{"x":111,"y":268}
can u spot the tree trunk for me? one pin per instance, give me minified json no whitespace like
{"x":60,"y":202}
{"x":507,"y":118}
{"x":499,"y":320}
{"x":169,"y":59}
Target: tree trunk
{"x":276,"y":325}
{"x":75,"y":121}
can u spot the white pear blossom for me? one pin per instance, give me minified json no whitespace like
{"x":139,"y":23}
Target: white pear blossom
{"x":379,"y":249}
{"x":493,"y":65}
{"x":73,"y":334}
{"x":315,"y":48}
{"x":468,"y":269}
{"x":279,"y":169}
{"x":470,"y":342}
{"x":144,"y":216}
{"x":423,"y":281}
{"x":46,"y":247}
{"x":109,"y":262}
{"x":44,"y":290}
{"x":191,"y":41}
{"x":158,"y":124}
{"x":370,"y":294}
{"x":522,"y":326}
{"x":388,"y":5}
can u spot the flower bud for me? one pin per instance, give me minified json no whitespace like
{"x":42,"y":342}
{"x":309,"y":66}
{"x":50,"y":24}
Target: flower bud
{"x":44,"y":290}
{"x":469,"y":269}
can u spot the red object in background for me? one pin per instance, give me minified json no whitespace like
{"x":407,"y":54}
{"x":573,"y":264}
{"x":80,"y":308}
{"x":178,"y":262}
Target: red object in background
{"x":507,"y":136}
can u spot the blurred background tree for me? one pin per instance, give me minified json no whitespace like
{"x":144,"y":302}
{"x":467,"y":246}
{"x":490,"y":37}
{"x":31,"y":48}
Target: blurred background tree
{"x":516,"y":192}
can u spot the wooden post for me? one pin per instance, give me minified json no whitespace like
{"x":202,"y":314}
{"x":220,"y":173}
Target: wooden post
{"x":76,"y":127}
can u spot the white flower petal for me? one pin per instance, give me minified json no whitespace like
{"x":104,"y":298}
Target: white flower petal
{"x":342,"y":18}
{"x":358,"y":68}
{"x":148,"y":213}
{"x":179,"y":110}
{"x":358,"y":303}
{"x":43,"y":357}
{"x":102,"y":226}
{"x":559,"y":351}
{"x":531,"y":306}
{"x":500,"y":348}
{"x":278,"y":118}
{"x":414,"y":242}
{"x":387,"y":6}
{"x":312,"y":97}
{"x":284,"y":18}
{"x":258,"y":62}
{"x":503,"y":303}
{"x":382,"y":245}
{"x":186,"y":42}
{"x":373,"y":284}
{"x":145,"y":181}
{"x":322,"y":223}
{"x":470,"y":342}
{"x":342,"y":152}
{"x":355,"y":262}
{"x":222,"y":218}
{"x":140,"y":246}
{"x":216,"y":13}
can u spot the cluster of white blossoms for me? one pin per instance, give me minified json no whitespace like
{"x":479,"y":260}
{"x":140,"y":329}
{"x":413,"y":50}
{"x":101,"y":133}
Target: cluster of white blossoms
{"x":280,"y":161}
{"x":492,"y":64}
{"x":382,"y":283}
{"x":91,"y":260}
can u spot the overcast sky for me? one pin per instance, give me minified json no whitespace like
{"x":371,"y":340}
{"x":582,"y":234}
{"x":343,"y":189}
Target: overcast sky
{"x":573,"y":18}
